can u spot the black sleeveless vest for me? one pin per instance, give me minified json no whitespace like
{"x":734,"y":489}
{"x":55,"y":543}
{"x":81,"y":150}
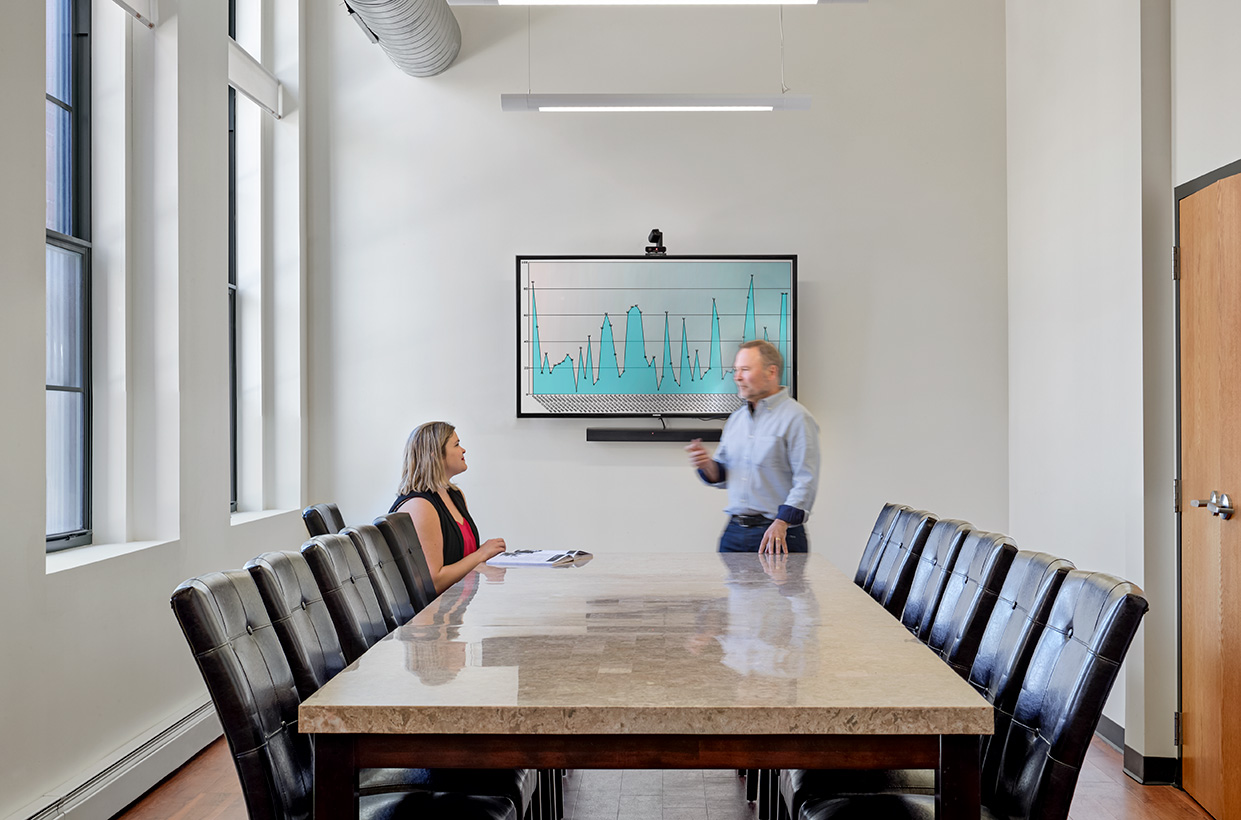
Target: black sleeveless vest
{"x":454,"y":544}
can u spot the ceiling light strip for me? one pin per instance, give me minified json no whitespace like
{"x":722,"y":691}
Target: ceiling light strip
{"x":602,"y":109}
{"x":624,"y":103}
{"x":656,"y":2}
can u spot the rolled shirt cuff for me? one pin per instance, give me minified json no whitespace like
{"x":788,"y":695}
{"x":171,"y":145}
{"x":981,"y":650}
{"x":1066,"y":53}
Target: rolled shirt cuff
{"x":791,"y":515}
{"x":723,"y":475}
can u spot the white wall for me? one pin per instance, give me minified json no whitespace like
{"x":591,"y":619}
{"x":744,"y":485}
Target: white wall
{"x":1090,"y":295}
{"x":1207,"y":69}
{"x":890,"y":190}
{"x":93,"y":656}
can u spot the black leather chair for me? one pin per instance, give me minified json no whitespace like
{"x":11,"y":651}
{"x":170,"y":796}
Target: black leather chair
{"x":969,"y":596}
{"x":398,"y":529}
{"x":878,"y":535}
{"x":347,"y":591}
{"x":894,"y":567}
{"x":308,"y":638}
{"x":239,"y":655}
{"x":1030,"y":768}
{"x":385,"y":574}
{"x":300,"y":617}
{"x":1021,"y":611}
{"x":931,"y":573}
{"x":1015,"y":625}
{"x":323,"y":519}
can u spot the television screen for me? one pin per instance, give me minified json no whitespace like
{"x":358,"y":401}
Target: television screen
{"x":647,"y":335}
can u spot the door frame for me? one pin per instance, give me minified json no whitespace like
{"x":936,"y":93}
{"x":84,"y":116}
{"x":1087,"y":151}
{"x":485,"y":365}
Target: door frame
{"x":1181,"y":192}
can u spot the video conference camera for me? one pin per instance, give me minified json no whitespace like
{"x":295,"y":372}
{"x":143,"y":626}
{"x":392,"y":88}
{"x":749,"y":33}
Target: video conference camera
{"x":657,"y":248}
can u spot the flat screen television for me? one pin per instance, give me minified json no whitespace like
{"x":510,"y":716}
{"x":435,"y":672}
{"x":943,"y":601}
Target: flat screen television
{"x":647,"y":335}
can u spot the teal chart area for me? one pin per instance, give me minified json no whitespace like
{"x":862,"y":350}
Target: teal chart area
{"x":646,"y":336}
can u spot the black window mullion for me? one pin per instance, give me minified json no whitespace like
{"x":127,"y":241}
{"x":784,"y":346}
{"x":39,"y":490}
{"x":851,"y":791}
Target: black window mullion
{"x":78,"y":242}
{"x":81,"y":120}
{"x":232,"y":273}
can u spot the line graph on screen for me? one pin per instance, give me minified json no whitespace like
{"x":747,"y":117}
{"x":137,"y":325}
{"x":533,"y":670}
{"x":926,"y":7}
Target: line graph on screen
{"x":643,"y":336}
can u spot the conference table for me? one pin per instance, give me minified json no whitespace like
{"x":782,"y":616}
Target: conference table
{"x":650,"y":661}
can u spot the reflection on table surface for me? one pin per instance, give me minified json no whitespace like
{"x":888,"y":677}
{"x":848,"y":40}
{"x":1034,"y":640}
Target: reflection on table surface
{"x":651,"y":643}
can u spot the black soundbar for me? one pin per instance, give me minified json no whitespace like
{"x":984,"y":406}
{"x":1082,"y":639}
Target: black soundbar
{"x":635,"y":434}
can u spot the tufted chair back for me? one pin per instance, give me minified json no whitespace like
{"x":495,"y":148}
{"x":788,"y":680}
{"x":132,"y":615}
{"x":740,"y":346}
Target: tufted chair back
{"x":931,"y":573}
{"x":323,"y":519}
{"x":398,"y":530}
{"x":1037,"y":759}
{"x":300,"y":617}
{"x":878,"y":535}
{"x":894,"y":568}
{"x":385,"y":575}
{"x":244,"y":667}
{"x":1012,"y":632}
{"x":1015,"y":625}
{"x":347,"y":591}
{"x":969,"y":597}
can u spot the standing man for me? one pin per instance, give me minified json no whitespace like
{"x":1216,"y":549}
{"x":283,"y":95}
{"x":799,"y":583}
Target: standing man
{"x":768,"y":459}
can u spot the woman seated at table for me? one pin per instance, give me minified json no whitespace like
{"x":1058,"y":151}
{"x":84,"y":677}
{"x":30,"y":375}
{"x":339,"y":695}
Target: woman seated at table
{"x":433,"y":458}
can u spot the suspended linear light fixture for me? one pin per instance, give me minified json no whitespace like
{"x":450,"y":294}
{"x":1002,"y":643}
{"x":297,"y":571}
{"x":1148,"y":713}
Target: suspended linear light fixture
{"x":663,"y":2}
{"x":646,"y":2}
{"x":622,"y":103}
{"x":629,"y":103}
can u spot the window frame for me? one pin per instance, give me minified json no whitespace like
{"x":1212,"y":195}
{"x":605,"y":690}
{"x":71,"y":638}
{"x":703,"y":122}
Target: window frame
{"x":78,"y":242}
{"x":232,"y":275}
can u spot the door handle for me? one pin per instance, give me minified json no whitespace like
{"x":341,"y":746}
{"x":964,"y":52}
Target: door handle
{"x":1218,"y":504}
{"x":1207,"y":502}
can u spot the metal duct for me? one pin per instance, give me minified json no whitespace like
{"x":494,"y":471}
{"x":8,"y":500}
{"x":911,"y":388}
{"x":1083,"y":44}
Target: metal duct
{"x":420,"y":36}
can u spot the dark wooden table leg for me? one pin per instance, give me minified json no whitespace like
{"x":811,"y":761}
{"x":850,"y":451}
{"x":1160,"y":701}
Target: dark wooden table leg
{"x":336,"y":777}
{"x":957,"y":793}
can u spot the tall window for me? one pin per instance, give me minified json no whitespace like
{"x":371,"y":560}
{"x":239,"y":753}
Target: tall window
{"x":68,"y":273}
{"x":232,"y":273}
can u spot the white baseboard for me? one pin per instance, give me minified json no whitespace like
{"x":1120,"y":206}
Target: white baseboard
{"x":121,"y":778}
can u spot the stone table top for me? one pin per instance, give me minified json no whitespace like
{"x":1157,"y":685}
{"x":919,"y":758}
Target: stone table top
{"x":652,"y":644}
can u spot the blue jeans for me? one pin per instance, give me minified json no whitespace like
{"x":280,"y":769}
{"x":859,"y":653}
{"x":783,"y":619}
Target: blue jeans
{"x":737,"y":538}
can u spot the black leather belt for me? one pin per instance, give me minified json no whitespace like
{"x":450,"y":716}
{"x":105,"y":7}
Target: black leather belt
{"x":750,"y":521}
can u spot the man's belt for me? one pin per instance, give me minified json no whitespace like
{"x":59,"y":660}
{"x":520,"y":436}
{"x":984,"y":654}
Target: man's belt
{"x":754,"y":521}
{"x":750,"y":521}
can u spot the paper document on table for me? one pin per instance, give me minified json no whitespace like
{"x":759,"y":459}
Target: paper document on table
{"x":538,"y":558}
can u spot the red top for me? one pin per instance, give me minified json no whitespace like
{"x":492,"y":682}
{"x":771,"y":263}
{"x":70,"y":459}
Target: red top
{"x":471,"y":543}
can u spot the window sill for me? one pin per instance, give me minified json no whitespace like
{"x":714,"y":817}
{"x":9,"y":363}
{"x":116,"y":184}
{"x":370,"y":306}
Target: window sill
{"x":238,"y":518}
{"x":76,"y":557}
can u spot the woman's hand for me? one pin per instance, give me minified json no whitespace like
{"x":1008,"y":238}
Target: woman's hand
{"x":491,"y":548}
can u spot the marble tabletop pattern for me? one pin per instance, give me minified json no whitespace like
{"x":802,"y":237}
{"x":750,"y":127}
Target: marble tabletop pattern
{"x":652,"y":644}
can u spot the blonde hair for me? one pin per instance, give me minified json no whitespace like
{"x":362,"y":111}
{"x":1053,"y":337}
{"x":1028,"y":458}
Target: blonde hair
{"x":423,"y":470}
{"x":769,"y":353}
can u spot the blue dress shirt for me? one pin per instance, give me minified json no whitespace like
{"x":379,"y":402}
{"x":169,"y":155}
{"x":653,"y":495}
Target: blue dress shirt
{"x":769,"y":459}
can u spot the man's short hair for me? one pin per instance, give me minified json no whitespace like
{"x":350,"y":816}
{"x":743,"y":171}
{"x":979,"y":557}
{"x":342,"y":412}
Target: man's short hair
{"x":770,"y":354}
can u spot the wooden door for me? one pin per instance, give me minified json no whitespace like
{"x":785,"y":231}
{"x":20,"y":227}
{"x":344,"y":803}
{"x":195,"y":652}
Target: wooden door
{"x":1209,"y":224}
